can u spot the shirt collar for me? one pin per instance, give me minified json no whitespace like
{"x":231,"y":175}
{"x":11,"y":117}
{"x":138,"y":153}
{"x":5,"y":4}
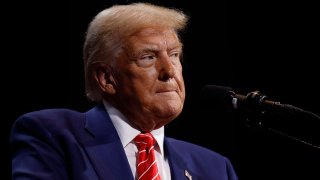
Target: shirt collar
{"x":125,"y":129}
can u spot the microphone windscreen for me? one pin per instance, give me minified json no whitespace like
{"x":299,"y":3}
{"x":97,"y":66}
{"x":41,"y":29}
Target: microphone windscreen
{"x":216,"y":96}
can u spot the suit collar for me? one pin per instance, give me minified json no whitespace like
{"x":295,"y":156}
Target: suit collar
{"x":98,"y":122}
{"x":104,"y":147}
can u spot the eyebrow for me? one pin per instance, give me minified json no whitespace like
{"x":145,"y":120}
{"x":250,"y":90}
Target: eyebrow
{"x":150,"y":47}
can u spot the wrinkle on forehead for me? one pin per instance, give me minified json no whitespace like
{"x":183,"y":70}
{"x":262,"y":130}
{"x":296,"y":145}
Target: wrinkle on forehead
{"x":153,"y":39}
{"x":166,"y":34}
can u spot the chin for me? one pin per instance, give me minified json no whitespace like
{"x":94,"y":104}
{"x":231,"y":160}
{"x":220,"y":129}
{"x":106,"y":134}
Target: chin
{"x":169,"y":112}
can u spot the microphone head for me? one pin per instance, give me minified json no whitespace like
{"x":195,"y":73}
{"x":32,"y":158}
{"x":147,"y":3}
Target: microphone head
{"x":217,"y":96}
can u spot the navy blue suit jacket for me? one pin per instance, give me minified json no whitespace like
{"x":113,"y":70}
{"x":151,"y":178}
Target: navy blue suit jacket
{"x":59,"y":144}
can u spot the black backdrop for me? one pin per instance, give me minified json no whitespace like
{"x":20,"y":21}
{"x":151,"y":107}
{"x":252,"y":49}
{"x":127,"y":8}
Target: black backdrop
{"x":269,"y":46}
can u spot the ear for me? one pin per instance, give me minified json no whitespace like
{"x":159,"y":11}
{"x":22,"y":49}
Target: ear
{"x":105,"y":79}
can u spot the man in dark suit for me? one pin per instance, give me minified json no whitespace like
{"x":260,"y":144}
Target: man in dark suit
{"x":132,"y":58}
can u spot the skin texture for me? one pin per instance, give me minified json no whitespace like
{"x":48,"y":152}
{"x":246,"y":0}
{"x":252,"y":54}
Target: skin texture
{"x":146,"y":83}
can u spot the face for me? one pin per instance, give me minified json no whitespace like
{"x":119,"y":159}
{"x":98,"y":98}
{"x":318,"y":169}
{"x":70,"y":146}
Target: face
{"x":149,"y":87}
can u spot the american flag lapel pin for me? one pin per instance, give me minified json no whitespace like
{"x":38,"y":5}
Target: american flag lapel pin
{"x":188,"y":175}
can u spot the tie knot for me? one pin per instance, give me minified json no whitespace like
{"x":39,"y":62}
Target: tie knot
{"x":144,"y":140}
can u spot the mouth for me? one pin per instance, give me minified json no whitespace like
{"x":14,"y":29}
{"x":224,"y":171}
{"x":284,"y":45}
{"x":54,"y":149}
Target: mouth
{"x":166,"y":90}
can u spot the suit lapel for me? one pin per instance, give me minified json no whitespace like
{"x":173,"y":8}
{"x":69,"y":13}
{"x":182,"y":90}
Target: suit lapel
{"x":178,"y":166}
{"x":104,"y":147}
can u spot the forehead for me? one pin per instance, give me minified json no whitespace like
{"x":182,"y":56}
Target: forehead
{"x":164,"y":36}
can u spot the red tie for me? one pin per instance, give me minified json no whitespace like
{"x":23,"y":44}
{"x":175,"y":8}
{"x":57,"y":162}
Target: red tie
{"x":146,"y":161}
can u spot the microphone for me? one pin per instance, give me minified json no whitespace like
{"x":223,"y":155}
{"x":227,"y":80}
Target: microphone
{"x":256,"y":106}
{"x":253,"y":102}
{"x":226,"y":97}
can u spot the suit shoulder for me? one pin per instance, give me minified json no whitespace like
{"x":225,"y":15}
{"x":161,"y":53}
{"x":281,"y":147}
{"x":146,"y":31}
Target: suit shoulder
{"x":54,"y":119}
{"x":47,"y":114}
{"x":50,"y":112}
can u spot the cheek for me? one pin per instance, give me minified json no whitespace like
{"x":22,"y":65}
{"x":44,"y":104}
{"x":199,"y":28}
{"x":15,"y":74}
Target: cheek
{"x":149,"y":75}
{"x":179,"y":78}
{"x":146,"y":80}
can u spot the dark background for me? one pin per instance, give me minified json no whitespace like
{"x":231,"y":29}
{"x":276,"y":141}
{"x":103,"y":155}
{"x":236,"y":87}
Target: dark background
{"x":271,"y":46}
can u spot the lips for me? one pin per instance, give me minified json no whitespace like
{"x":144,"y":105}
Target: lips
{"x":167,"y":88}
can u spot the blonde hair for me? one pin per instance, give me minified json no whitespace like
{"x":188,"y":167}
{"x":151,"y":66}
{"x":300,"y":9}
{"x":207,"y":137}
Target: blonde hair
{"x":112,"y":26}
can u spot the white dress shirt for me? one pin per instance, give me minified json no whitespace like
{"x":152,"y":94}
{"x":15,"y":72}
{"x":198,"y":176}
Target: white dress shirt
{"x":127,"y":133}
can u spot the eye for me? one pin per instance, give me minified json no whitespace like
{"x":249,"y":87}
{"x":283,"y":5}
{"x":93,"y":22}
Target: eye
{"x":146,"y":60}
{"x":175,"y":54}
{"x":147,"y":57}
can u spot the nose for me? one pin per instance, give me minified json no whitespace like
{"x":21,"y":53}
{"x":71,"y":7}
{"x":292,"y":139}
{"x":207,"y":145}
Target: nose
{"x":166,"y":68}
